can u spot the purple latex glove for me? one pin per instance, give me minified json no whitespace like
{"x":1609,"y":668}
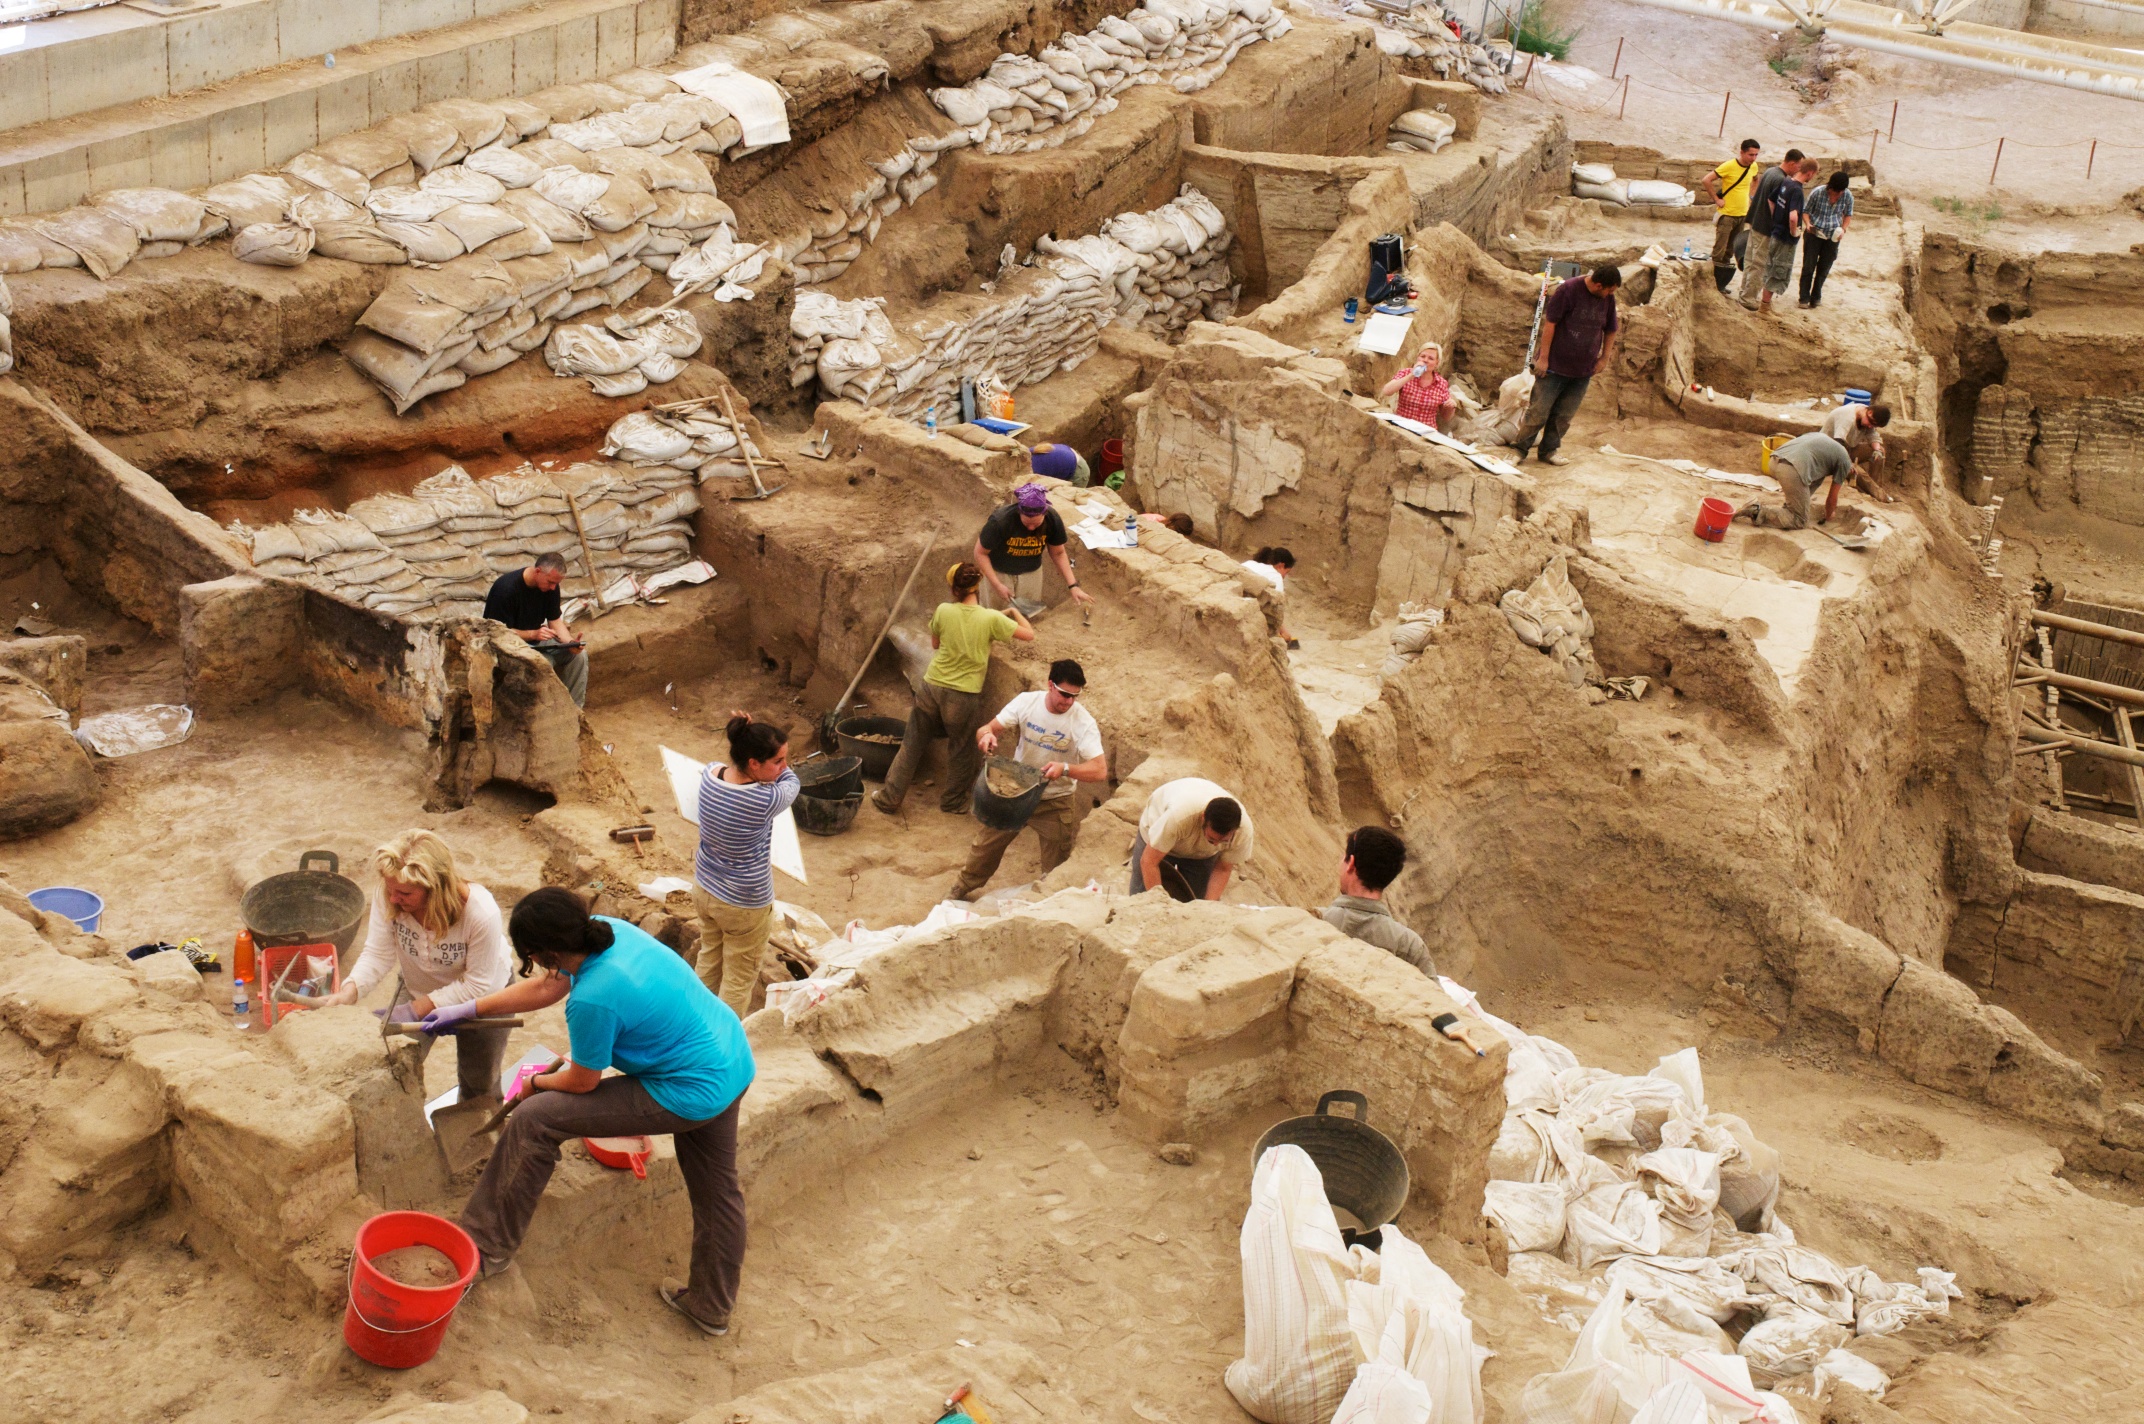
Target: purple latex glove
{"x":399,"y":1014}
{"x":444,"y":1018}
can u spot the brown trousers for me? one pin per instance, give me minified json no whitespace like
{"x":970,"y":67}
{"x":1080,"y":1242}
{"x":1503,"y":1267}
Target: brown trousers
{"x":1056,"y":821}
{"x":497,"y":1216}
{"x":939,"y":712}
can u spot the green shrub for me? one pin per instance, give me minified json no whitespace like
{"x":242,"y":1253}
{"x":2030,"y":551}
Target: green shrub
{"x":1533,"y":34}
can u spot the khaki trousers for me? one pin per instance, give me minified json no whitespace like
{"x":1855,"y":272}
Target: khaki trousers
{"x":939,"y":712}
{"x":1056,"y":821}
{"x":733,"y":945}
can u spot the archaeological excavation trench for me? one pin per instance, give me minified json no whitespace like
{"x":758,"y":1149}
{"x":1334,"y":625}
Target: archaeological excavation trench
{"x":711,"y":303}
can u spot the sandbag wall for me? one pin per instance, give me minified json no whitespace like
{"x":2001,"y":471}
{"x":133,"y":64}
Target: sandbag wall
{"x":1425,"y":33}
{"x":433,"y":553}
{"x":1158,"y":270}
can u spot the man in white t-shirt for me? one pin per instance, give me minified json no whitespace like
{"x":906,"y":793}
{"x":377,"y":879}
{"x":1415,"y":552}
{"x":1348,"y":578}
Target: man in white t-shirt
{"x":1192,"y":836}
{"x":1059,"y":738}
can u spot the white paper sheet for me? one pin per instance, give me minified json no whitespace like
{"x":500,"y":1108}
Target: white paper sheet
{"x":1385,"y":333}
{"x":785,"y":851}
{"x":1097,"y":535}
{"x":758,"y":105}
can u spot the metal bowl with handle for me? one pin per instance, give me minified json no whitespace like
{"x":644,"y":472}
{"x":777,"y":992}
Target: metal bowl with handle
{"x":314,"y":904}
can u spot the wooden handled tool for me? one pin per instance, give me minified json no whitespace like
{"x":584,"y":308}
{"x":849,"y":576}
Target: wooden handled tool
{"x":411,"y":1030}
{"x":506,"y":1108}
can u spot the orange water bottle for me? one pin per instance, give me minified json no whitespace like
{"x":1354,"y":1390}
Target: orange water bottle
{"x":242,"y":956}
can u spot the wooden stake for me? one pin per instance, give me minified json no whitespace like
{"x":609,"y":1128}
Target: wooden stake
{"x":1894,"y":118}
{"x":2089,"y":157}
{"x":1618,"y":63}
{"x":1624,"y":102}
{"x":1873,"y":136}
{"x":2127,"y":736}
{"x":1998,"y":161}
{"x":595,"y":580}
{"x":1528,"y":79}
{"x":1723,"y":112}
{"x":744,"y":446}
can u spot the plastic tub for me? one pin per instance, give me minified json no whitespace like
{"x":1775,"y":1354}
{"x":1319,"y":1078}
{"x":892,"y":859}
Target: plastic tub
{"x":393,"y":1325}
{"x":625,"y":1154}
{"x":877,"y":757}
{"x":826,"y":815}
{"x":1364,"y":1173}
{"x":1854,"y":395}
{"x":1112,"y":458}
{"x":84,"y":907}
{"x":832,"y":777}
{"x":1006,"y":813}
{"x":1765,"y":447}
{"x":1713,"y":517}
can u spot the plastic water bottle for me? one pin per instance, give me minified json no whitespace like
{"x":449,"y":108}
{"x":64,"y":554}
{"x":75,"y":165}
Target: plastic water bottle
{"x":1686,"y":249}
{"x":1131,"y":530}
{"x":241,"y":1007}
{"x":930,"y":421}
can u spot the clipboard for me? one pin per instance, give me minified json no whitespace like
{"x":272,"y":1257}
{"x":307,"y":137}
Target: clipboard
{"x":785,"y":850}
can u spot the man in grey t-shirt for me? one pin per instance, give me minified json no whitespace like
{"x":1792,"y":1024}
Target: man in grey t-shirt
{"x":1800,"y":466}
{"x":1374,"y":859}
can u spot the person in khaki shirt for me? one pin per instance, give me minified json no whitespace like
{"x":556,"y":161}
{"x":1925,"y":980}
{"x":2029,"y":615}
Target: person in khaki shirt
{"x":1192,"y":836}
{"x":1374,"y":860}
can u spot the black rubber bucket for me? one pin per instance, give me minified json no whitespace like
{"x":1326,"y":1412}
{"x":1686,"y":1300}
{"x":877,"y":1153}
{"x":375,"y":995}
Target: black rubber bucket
{"x":1365,"y":1175}
{"x":1006,"y":813}
{"x":826,"y":815}
{"x":876,"y":757}
{"x":314,"y":904}
{"x":832,"y":777}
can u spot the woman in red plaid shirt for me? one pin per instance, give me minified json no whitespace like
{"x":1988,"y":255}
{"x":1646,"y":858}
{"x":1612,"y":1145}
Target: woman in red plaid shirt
{"x":1424,"y":394}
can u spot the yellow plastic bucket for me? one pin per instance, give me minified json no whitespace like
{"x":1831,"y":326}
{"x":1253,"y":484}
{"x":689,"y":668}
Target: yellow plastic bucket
{"x":1765,"y":449}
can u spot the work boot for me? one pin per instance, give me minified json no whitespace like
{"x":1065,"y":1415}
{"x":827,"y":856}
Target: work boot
{"x":670,"y":1290}
{"x":1748,"y":511}
{"x":885,"y":803}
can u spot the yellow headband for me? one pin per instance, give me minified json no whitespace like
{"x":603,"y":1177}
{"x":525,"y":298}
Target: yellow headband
{"x":950,"y":574}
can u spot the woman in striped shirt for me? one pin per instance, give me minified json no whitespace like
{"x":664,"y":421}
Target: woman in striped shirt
{"x":733,"y":876}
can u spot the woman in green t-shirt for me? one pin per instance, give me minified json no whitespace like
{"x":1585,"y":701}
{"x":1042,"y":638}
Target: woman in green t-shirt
{"x":949,"y":704}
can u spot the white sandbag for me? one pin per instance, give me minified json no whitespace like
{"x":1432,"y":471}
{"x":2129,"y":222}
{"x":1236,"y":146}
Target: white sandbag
{"x":660,"y":368}
{"x":1385,"y":1394}
{"x":430,"y":139}
{"x":503,"y":165}
{"x":1595,"y":174}
{"x":590,"y":351}
{"x":1659,"y":193}
{"x":1299,"y":1354}
{"x":409,"y":203}
{"x":1846,"y":1367}
{"x":1530,"y":1214}
{"x":476,"y":224}
{"x":1609,"y":1377}
{"x":329,"y":176}
{"x":423,"y":241}
{"x":1404,"y":1311}
{"x":155,"y":214}
{"x":1680,"y":1401}
{"x":1426,"y":123}
{"x":759,"y":107}
{"x":545,"y":216}
{"x":623,"y":204}
{"x":1617,"y":192}
{"x":104,"y":243}
{"x":358,"y":240}
{"x":1790,"y":1340}
{"x":369,"y":152}
{"x":274,"y":244}
{"x":476,"y":122}
{"x":643,"y":439}
{"x":675,"y":333}
{"x":1611,"y":1220}
{"x":463,"y":184}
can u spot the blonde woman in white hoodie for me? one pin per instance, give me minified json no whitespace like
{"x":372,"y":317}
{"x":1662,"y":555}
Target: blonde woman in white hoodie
{"x":447,"y":939}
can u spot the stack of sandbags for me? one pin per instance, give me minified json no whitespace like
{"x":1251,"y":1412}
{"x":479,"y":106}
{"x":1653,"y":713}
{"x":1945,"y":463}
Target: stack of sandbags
{"x":1421,"y":131}
{"x":696,"y":441}
{"x":843,"y":227}
{"x":1410,"y":636}
{"x":434,"y":553}
{"x":1158,"y":270}
{"x":109,"y":231}
{"x":623,"y":356}
{"x":1425,"y":33}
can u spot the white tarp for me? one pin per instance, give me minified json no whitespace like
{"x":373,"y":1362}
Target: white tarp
{"x":786,"y":851}
{"x":755,"y":103}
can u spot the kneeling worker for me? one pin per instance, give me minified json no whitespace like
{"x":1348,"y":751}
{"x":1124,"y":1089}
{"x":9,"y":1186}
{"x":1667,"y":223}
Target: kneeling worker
{"x":1192,"y":836}
{"x":1374,"y":859}
{"x":1058,"y":737}
{"x":683,"y":1067}
{"x":526,"y":600}
{"x":1800,"y":466}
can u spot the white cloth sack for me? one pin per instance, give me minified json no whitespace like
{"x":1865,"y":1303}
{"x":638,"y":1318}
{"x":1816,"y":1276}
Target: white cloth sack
{"x":758,"y":105}
{"x":1299,"y":1355}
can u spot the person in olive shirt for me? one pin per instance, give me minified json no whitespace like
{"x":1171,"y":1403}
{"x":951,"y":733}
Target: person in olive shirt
{"x":526,"y":600}
{"x":1016,"y":536}
{"x":949,"y":704}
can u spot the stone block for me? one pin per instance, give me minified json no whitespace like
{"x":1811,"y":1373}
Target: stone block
{"x":306,"y":31}
{"x":12,"y":203}
{"x":491,"y":69}
{"x":92,"y":1163}
{"x":574,"y":50}
{"x":394,"y":88}
{"x":409,"y":17}
{"x":47,"y":997}
{"x":1936,"y":1031}
{"x":116,"y":67}
{"x":180,"y":1058}
{"x":179,"y":155}
{"x":239,"y":637}
{"x":340,"y":1051}
{"x":443,"y":76}
{"x":290,"y":124}
{"x":56,"y":181}
{"x":22,"y":89}
{"x":344,"y":106}
{"x":170,"y":975}
{"x":2081,"y":849}
{"x":127,"y":161}
{"x":264,"y":1157}
{"x":797,"y":1102}
{"x":2068,"y":929}
{"x":535,"y":60}
{"x":614,"y":41}
{"x":56,"y":664}
{"x":1841,"y":975}
{"x":221,"y":44}
{"x":237,"y":142}
{"x":2032,"y":1079}
{"x":1212,"y":991}
{"x":1360,"y":1019}
{"x":655,"y":30}
{"x":1207,"y":1036}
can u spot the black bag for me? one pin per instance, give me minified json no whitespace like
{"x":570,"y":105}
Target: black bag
{"x":1388,"y":270}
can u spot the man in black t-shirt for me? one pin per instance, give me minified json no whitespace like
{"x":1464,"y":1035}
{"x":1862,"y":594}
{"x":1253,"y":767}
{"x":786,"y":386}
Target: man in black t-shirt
{"x":1015,"y":537}
{"x":526,"y":601}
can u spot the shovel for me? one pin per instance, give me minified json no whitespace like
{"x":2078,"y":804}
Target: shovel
{"x":744,"y":448}
{"x":1859,"y":543}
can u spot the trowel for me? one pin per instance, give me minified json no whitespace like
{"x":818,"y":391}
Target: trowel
{"x":1859,"y":543}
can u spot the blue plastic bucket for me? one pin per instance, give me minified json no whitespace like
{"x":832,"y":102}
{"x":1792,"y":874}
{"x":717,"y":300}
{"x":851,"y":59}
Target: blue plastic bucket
{"x":84,"y":907}
{"x":1854,"y":395}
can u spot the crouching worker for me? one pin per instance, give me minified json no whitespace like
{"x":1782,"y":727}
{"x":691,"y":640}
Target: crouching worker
{"x":1801,"y":466}
{"x":683,"y":1067}
{"x":526,"y":600}
{"x":1059,"y":738}
{"x":1192,"y":836}
{"x":445,"y":938}
{"x":1373,"y":861}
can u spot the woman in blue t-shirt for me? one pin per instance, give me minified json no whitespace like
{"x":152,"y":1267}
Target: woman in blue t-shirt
{"x":683,"y":1065}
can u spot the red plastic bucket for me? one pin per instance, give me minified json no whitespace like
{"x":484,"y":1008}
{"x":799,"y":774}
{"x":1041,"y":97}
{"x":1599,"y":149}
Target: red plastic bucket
{"x":1112,"y":457}
{"x":391,"y":1324}
{"x":1713,"y":517}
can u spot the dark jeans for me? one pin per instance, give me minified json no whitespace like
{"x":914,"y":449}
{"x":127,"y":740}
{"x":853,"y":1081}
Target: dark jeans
{"x":1817,"y":256}
{"x":497,"y":1216}
{"x":1549,"y":414}
{"x":1185,"y":880}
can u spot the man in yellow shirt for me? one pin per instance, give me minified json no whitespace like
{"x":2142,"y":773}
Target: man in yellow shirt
{"x":949,"y":704}
{"x":1729,"y":186}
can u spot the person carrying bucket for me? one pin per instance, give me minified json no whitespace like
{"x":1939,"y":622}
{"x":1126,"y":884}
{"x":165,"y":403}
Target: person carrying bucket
{"x":1060,"y":739}
{"x":949,"y":704}
{"x":733,"y":873}
{"x":446,"y":938}
{"x":683,"y":1067}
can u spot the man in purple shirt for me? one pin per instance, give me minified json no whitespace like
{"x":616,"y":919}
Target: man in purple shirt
{"x":1577,"y":337}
